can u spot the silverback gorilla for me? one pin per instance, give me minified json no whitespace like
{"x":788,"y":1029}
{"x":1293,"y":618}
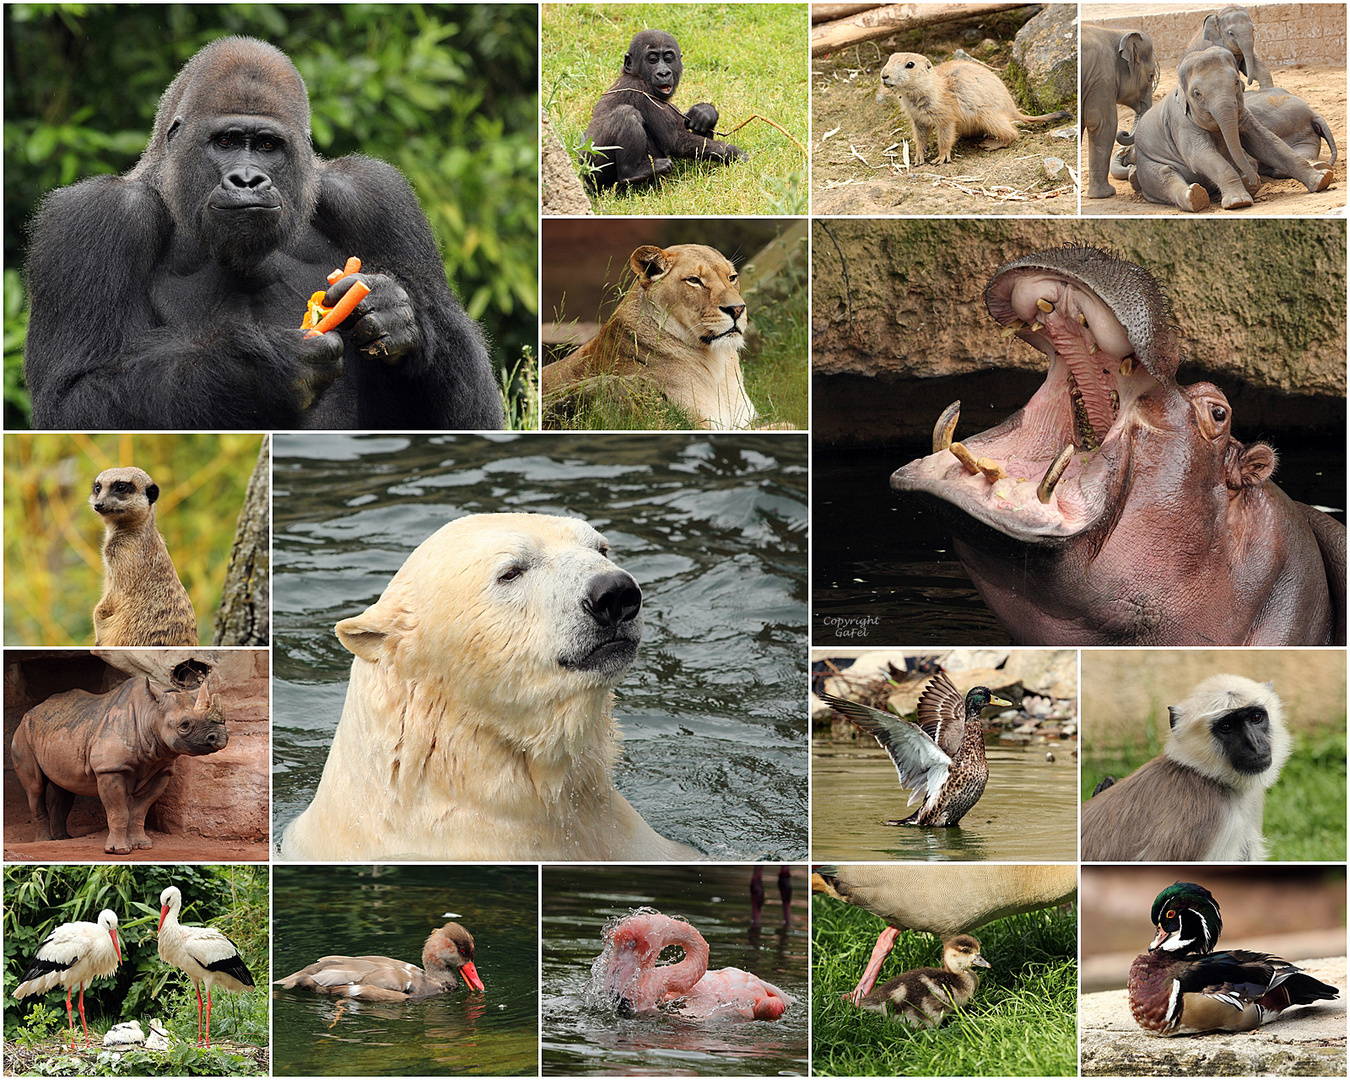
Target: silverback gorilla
{"x":171,"y":297}
{"x":636,"y":118}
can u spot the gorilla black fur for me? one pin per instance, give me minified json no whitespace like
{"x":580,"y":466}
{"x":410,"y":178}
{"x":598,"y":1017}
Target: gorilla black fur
{"x":636,"y":117}
{"x":171,"y":297}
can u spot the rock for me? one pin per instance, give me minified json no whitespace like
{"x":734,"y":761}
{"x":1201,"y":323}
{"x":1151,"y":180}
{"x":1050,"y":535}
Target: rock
{"x":563,"y":191}
{"x":1045,"y":58}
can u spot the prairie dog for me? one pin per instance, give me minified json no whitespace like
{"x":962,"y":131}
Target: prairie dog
{"x":143,"y":601}
{"x":955,"y":99}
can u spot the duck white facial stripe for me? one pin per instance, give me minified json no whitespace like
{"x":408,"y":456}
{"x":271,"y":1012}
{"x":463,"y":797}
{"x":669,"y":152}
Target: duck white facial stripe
{"x":1172,"y":944}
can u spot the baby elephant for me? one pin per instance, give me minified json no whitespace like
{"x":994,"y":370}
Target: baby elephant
{"x":1201,"y":140}
{"x":121,"y":746}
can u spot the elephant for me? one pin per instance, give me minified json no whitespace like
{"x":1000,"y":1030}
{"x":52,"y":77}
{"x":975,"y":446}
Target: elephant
{"x":1116,"y":67}
{"x":1296,"y":122}
{"x":1200,"y":140}
{"x":1232,"y":29}
{"x":1116,"y":507}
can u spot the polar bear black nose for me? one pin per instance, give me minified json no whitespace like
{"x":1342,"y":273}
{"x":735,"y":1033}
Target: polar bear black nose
{"x":613,"y":598}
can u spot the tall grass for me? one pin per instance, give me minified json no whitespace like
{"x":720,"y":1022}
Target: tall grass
{"x":746,"y":59}
{"x":1021,"y":1022}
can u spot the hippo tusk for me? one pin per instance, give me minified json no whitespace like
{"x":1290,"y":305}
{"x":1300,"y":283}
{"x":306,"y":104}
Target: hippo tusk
{"x":1012,"y":328}
{"x":1045,"y":305}
{"x":991,"y":469}
{"x":945,"y":427}
{"x":1127,"y":366}
{"x":1052,"y":474}
{"x":965,"y":457}
{"x":1037,"y":325}
{"x":1082,"y":319}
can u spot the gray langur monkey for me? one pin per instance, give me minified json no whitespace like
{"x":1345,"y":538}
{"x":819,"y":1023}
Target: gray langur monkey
{"x":1203,"y":797}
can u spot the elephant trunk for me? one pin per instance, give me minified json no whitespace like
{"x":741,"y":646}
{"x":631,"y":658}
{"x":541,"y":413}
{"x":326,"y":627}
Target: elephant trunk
{"x":1229,"y":118}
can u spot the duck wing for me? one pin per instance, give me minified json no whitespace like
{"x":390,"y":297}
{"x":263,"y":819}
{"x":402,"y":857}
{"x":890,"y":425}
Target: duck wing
{"x":1240,"y":977}
{"x":919,"y":761}
{"x":942,"y":714}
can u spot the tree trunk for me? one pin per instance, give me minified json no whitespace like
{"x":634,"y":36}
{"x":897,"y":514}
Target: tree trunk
{"x":245,"y":613}
{"x":883,"y":21}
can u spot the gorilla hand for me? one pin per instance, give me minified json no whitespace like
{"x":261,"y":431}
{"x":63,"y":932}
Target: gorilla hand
{"x":319,"y":363}
{"x":701,"y":119}
{"x":382,"y":324}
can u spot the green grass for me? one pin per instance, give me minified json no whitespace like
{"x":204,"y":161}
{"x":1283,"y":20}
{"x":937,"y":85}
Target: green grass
{"x":1305,"y":810}
{"x":1021,"y":1021}
{"x":746,"y":59}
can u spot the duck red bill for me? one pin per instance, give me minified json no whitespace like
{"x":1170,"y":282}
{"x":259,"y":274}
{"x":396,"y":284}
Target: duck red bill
{"x":470,"y":974}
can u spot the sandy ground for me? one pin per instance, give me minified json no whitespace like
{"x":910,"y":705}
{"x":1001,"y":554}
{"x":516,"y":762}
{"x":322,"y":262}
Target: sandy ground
{"x":857,"y":156}
{"x":1323,"y":88}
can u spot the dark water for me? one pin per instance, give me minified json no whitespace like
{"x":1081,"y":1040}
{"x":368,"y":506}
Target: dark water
{"x":582,"y":1039}
{"x":883,"y":569}
{"x":713,"y":528}
{"x":389,"y":911}
{"x":1028,"y":812}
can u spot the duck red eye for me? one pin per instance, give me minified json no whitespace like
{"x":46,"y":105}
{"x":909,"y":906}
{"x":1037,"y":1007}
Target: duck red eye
{"x":1170,"y":915}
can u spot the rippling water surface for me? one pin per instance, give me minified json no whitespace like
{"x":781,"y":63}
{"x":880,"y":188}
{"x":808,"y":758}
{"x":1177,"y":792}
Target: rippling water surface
{"x":389,"y":911}
{"x":580,"y":1038}
{"x":713,"y":527}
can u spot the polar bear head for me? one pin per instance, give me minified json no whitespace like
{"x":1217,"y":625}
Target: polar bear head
{"x":511,"y":619}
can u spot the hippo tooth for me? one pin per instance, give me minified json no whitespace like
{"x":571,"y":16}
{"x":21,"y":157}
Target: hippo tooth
{"x":1037,"y":325}
{"x":945,"y":427}
{"x":1012,"y":328}
{"x":1045,"y":305}
{"x":1082,"y":319}
{"x":1052,"y":474}
{"x":1127,"y":366}
{"x":965,"y":457}
{"x":1115,"y":404}
{"x":1092,"y":348}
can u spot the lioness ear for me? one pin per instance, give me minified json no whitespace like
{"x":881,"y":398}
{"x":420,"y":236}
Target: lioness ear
{"x":650,"y":263}
{"x":375,"y":631}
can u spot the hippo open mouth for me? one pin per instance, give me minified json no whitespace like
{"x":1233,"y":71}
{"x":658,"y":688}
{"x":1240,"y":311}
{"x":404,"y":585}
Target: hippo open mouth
{"x":1054,"y":469}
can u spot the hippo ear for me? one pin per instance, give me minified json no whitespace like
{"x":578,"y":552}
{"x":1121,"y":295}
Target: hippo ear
{"x":1251,"y":466}
{"x":376,"y":631}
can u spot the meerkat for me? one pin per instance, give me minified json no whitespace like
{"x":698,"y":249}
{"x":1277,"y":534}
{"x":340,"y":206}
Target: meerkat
{"x":955,"y":99}
{"x":143,"y":601}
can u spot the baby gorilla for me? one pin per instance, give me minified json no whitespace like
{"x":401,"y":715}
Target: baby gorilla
{"x":635,"y":130}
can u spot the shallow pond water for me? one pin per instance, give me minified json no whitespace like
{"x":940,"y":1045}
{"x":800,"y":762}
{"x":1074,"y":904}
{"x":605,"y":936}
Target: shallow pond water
{"x":581,"y":1038}
{"x":1028,"y":812}
{"x":713,"y":527}
{"x":389,"y":911}
{"x":883,"y":568}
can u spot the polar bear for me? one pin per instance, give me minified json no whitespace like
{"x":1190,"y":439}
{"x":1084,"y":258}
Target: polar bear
{"x":478,"y":722}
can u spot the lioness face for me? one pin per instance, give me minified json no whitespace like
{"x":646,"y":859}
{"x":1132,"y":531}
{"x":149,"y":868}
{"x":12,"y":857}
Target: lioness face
{"x":696,"y":289}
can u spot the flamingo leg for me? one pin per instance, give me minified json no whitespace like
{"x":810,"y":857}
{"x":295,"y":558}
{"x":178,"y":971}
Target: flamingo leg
{"x":881,"y":950}
{"x":70,"y":1018}
{"x":199,"y":1013}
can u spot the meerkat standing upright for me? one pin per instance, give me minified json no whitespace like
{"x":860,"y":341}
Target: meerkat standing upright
{"x":143,"y":601}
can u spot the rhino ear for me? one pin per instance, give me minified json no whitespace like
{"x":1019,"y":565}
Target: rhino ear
{"x":376,"y":631}
{"x":155,"y":692}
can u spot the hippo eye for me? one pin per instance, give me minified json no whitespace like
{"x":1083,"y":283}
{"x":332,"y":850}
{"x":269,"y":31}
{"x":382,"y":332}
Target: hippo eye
{"x":1218,"y":413}
{"x":510,"y":574}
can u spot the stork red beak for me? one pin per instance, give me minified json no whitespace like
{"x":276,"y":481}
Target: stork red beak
{"x":470,"y":974}
{"x":116,"y":948}
{"x":163,"y":914}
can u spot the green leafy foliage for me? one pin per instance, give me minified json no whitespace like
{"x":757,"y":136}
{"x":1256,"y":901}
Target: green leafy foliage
{"x":444,"y":92}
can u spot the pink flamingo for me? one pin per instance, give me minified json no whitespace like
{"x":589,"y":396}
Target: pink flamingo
{"x":627,"y":971}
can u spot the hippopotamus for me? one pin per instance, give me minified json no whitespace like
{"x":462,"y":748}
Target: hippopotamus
{"x":1116,"y":507}
{"x":121,"y":746}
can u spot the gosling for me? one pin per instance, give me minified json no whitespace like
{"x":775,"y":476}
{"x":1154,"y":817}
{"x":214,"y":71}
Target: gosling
{"x":923,"y":997}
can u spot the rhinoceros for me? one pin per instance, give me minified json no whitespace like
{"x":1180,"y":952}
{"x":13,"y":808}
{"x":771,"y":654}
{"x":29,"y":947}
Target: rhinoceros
{"x":121,"y":746}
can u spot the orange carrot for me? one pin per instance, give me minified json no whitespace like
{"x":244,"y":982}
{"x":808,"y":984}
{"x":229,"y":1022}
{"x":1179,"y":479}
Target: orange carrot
{"x":342,"y":308}
{"x":353,"y":267}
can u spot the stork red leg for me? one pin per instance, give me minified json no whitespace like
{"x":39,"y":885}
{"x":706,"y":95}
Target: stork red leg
{"x":83,"y":1024}
{"x":70,"y":1019}
{"x":199,"y":1013}
{"x":208,"y":1014}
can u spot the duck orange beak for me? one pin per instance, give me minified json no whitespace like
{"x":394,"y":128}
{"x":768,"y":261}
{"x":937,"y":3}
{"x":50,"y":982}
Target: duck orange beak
{"x":470,"y":974}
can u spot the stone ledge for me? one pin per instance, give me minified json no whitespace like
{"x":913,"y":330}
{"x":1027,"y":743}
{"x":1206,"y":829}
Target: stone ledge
{"x":1308,"y":1041}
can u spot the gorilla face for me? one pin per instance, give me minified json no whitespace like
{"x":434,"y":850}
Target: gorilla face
{"x":238,"y":171}
{"x":654,"y":57}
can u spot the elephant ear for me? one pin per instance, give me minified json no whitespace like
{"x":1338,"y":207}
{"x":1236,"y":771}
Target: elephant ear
{"x":1131,"y":45}
{"x":1211,"y":30}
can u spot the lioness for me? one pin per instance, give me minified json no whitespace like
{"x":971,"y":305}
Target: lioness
{"x":681,"y":326}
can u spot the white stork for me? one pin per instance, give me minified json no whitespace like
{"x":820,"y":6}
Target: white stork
{"x":74,"y":954}
{"x":206,"y":954}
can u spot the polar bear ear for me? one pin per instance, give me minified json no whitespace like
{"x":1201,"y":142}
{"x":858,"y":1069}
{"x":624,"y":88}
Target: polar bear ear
{"x":371,"y":633}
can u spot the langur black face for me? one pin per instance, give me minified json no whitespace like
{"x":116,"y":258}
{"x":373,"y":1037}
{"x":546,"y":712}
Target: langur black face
{"x":654,"y":57}
{"x":1244,"y":735}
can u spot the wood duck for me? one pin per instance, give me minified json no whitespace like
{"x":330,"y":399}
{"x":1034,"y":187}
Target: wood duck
{"x":1182,"y":987}
{"x":940,"y":757}
{"x":923,"y":997}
